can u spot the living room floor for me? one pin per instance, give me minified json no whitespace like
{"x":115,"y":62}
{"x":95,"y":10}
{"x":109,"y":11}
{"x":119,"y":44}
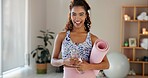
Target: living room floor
{"x":27,"y":72}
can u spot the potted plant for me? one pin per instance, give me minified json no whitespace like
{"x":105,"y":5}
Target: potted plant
{"x":41,"y":53}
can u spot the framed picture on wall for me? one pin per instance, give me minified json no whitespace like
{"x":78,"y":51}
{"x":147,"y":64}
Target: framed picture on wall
{"x":132,"y":42}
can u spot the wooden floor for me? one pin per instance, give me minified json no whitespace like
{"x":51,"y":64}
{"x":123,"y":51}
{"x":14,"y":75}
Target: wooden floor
{"x":137,"y":77}
{"x":29,"y":73}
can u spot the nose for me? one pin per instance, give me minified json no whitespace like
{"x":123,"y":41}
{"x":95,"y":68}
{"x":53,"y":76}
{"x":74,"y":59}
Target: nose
{"x":77,"y":17}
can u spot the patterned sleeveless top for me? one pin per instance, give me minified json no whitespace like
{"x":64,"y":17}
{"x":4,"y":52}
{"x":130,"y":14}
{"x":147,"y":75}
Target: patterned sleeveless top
{"x":83,"y":49}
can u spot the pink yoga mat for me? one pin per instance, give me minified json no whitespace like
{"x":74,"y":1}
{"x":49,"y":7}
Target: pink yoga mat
{"x":99,"y":50}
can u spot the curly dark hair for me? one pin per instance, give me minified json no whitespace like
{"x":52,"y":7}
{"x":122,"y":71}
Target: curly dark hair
{"x":84,"y":4}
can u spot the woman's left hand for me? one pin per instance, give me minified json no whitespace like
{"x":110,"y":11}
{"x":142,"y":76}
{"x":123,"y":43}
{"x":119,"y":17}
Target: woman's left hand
{"x":83,"y":66}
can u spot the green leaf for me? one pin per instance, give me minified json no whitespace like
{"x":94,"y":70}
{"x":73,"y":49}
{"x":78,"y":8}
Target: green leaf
{"x":46,"y":39}
{"x":42,"y":31}
{"x":40,"y":37}
{"x":51,"y":32}
{"x":50,"y":36}
{"x":32,"y":51}
{"x":49,"y":42}
{"x":34,"y":55}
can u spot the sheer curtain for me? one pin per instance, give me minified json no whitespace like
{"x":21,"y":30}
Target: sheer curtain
{"x":13,"y":34}
{"x":0,"y":39}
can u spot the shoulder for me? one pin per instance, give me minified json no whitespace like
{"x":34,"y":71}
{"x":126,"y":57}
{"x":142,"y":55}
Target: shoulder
{"x":60,"y":36}
{"x":93,"y":37}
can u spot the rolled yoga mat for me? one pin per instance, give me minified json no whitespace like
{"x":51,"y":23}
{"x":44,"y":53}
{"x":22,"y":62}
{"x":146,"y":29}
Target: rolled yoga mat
{"x":99,"y":50}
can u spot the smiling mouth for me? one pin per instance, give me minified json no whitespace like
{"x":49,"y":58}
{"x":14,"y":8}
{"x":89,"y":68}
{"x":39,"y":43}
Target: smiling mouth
{"x":78,"y":22}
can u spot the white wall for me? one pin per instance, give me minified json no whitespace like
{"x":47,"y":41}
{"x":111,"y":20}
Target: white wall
{"x":56,"y":16}
{"x":37,"y":21}
{"x":105,"y":15}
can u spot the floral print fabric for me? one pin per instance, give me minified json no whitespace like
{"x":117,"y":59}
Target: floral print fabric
{"x":83,"y":49}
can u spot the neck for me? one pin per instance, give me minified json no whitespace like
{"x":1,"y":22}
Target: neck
{"x":81,"y":29}
{"x":78,"y":30}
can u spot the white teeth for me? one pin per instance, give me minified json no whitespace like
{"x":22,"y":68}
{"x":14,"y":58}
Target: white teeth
{"x":78,"y":22}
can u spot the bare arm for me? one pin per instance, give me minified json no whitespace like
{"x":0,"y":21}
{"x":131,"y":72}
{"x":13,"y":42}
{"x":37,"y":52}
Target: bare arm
{"x":55,"y":60}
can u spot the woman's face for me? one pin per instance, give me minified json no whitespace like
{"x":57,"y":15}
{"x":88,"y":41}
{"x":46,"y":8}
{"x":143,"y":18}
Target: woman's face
{"x":78,"y":16}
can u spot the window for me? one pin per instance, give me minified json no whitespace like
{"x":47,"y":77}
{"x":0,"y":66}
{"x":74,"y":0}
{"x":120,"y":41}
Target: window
{"x":13,"y":34}
{"x":0,"y":41}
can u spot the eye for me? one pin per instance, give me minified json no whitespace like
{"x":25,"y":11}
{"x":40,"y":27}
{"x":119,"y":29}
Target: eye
{"x":81,"y":14}
{"x":73,"y":14}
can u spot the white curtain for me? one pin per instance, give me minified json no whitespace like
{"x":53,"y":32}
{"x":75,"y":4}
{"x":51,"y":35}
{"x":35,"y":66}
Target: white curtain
{"x":0,"y":39}
{"x":13,"y":34}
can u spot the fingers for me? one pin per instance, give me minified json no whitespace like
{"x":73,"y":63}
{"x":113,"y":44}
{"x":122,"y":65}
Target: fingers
{"x":80,"y":70}
{"x":83,"y":66}
{"x":75,"y":60}
{"x":72,"y":62}
{"x":78,"y":62}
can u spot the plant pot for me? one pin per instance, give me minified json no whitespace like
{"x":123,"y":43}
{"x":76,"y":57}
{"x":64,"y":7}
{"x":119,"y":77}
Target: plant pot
{"x":42,"y":68}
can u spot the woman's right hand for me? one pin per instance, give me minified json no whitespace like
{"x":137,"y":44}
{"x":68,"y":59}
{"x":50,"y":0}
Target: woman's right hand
{"x":72,"y":62}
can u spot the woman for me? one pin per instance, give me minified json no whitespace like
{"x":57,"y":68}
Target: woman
{"x":79,"y":41}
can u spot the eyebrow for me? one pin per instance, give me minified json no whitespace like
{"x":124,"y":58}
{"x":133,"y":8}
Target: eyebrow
{"x":79,"y":13}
